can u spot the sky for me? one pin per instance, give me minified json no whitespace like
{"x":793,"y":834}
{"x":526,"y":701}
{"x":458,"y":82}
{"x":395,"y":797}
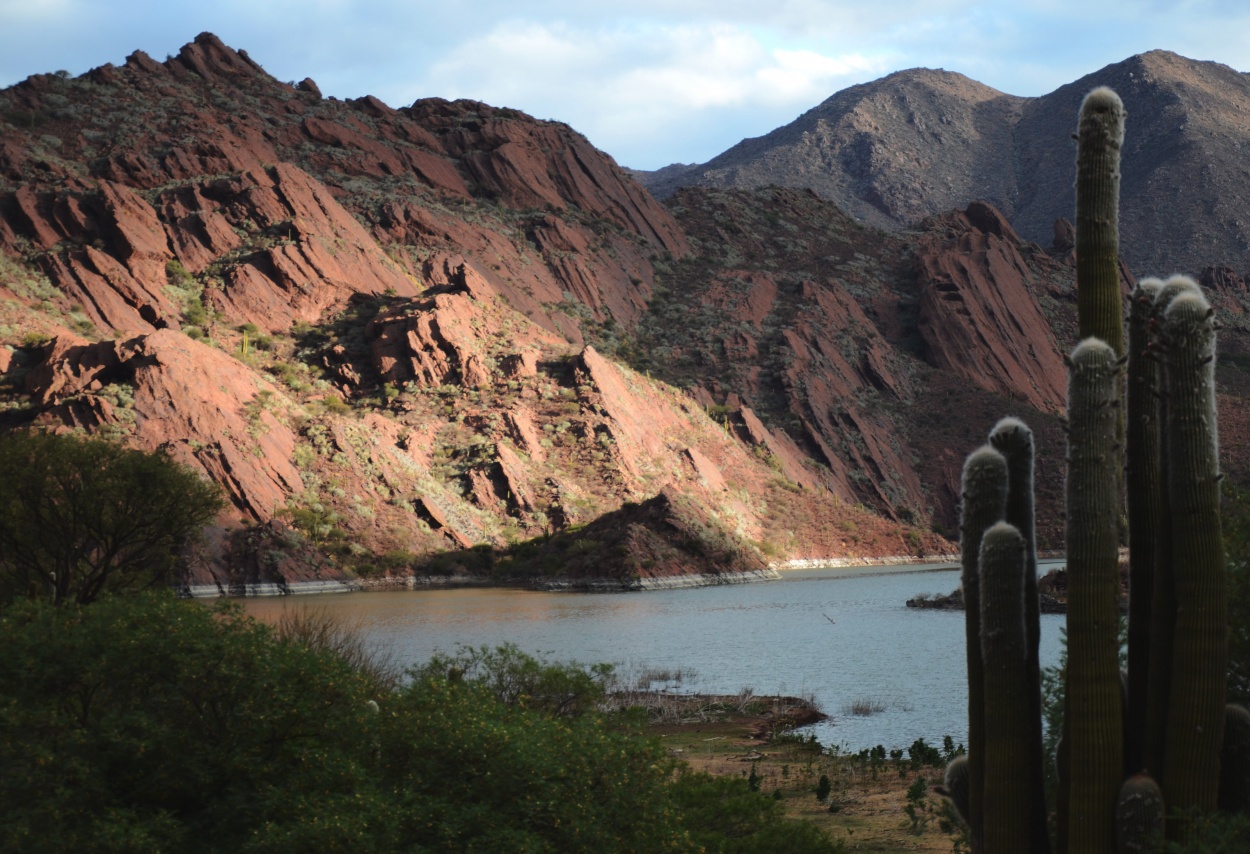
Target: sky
{"x":651,"y":82}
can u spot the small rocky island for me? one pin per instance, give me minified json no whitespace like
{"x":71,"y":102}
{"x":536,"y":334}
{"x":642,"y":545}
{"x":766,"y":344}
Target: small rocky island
{"x":1052,"y":591}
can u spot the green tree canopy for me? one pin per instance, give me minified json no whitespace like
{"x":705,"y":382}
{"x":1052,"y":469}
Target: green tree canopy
{"x":148,"y":723}
{"x":80,"y":517}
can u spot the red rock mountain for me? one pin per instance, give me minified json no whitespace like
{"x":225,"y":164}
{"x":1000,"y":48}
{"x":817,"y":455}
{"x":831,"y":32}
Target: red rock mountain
{"x":921,"y":142}
{"x":445,"y":337}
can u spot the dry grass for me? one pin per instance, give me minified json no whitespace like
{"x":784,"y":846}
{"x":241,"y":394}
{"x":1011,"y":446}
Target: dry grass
{"x":323,"y":629}
{"x":866,"y":807}
{"x":865,"y":707}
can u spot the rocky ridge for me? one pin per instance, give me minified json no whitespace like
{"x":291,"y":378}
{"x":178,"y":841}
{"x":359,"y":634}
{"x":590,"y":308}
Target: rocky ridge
{"x":369,"y":325}
{"x":452,"y":340}
{"x":921,"y":142}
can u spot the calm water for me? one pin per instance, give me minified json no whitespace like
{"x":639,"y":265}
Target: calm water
{"x":841,"y":635}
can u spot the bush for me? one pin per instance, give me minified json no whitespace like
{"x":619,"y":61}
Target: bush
{"x":83,"y":517}
{"x":513,"y":678}
{"x":150,"y":723}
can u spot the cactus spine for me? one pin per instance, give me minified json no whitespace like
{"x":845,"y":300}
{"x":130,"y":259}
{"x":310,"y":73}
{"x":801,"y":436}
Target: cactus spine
{"x":984,"y":504}
{"x":1008,"y":797}
{"x":1200,"y":650}
{"x":1094,"y":730}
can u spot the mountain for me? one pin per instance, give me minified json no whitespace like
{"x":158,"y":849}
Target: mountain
{"x":449,"y":339}
{"x":368,"y":323}
{"x":920,"y":142}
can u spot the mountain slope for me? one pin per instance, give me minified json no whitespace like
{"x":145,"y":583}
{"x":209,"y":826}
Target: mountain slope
{"x":367,"y":323}
{"x":451,"y":339}
{"x":920,"y":142}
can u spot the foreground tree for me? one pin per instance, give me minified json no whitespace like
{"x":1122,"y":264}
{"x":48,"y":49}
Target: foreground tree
{"x":80,"y":517}
{"x":148,"y":723}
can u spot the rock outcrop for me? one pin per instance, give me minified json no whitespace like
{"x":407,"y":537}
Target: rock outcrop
{"x":166,"y":391}
{"x":979,"y":317}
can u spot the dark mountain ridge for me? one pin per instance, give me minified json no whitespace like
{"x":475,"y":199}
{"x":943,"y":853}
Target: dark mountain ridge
{"x":920,"y":142}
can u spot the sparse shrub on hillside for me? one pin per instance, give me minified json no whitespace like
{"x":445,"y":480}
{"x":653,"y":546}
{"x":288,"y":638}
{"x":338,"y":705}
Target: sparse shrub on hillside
{"x":186,"y":292}
{"x":25,"y":282}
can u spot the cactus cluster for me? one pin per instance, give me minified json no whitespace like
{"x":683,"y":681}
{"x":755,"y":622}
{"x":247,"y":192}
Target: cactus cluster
{"x":1151,"y":742}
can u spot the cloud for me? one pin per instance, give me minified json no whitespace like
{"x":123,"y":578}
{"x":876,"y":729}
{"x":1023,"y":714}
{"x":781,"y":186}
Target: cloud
{"x":624,"y":84}
{"x":647,"y":80}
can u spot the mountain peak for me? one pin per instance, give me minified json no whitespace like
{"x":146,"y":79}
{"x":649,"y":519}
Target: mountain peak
{"x":922,"y":141}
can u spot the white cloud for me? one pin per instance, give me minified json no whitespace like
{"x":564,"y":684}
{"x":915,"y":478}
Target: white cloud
{"x":647,"y":80}
{"x":626,"y":84}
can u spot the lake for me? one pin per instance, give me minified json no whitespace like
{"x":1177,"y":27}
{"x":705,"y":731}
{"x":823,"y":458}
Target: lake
{"x":841,"y":635}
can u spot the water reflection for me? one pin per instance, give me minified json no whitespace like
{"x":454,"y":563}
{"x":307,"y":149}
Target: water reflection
{"x":841,"y":635}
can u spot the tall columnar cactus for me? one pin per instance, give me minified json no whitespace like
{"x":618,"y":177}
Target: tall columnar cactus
{"x":1235,"y":760}
{"x":1178,"y":610}
{"x":1144,"y":482}
{"x":1100,"y":135}
{"x":1139,"y":816}
{"x":956,"y":784}
{"x":1163,"y":591}
{"x":1008,"y":803}
{"x":1200,"y":644}
{"x":984,"y":504}
{"x":1014,"y":440}
{"x":1094,"y":730}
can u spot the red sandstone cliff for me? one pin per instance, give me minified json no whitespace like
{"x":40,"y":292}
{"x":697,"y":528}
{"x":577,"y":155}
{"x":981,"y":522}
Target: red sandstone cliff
{"x":412,"y":331}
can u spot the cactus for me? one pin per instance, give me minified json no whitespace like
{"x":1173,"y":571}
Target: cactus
{"x":1200,"y":648}
{"x":1139,"y":816}
{"x":1163,"y":591}
{"x":1144,"y":479}
{"x":1094,"y":730}
{"x":1014,"y":440}
{"x":984,"y":503}
{"x":1100,"y":135}
{"x":955,"y":784}
{"x":1008,"y":803}
{"x":1167,"y":713}
{"x":1063,"y":773}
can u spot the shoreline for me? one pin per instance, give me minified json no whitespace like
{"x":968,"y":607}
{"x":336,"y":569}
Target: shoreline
{"x":884,"y":565}
{"x":895,"y":563}
{"x":427,"y":582}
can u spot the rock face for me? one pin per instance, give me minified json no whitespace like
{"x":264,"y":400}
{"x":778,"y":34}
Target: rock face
{"x":921,"y":142}
{"x":889,"y":152}
{"x":371,"y":327}
{"x":444,"y":338}
{"x":204,"y":260}
{"x":882,"y":357}
{"x":195,"y":402}
{"x":978,"y":316}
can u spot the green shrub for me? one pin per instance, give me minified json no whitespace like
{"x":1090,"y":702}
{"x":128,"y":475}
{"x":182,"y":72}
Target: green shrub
{"x":80,"y":518}
{"x":149,"y":723}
